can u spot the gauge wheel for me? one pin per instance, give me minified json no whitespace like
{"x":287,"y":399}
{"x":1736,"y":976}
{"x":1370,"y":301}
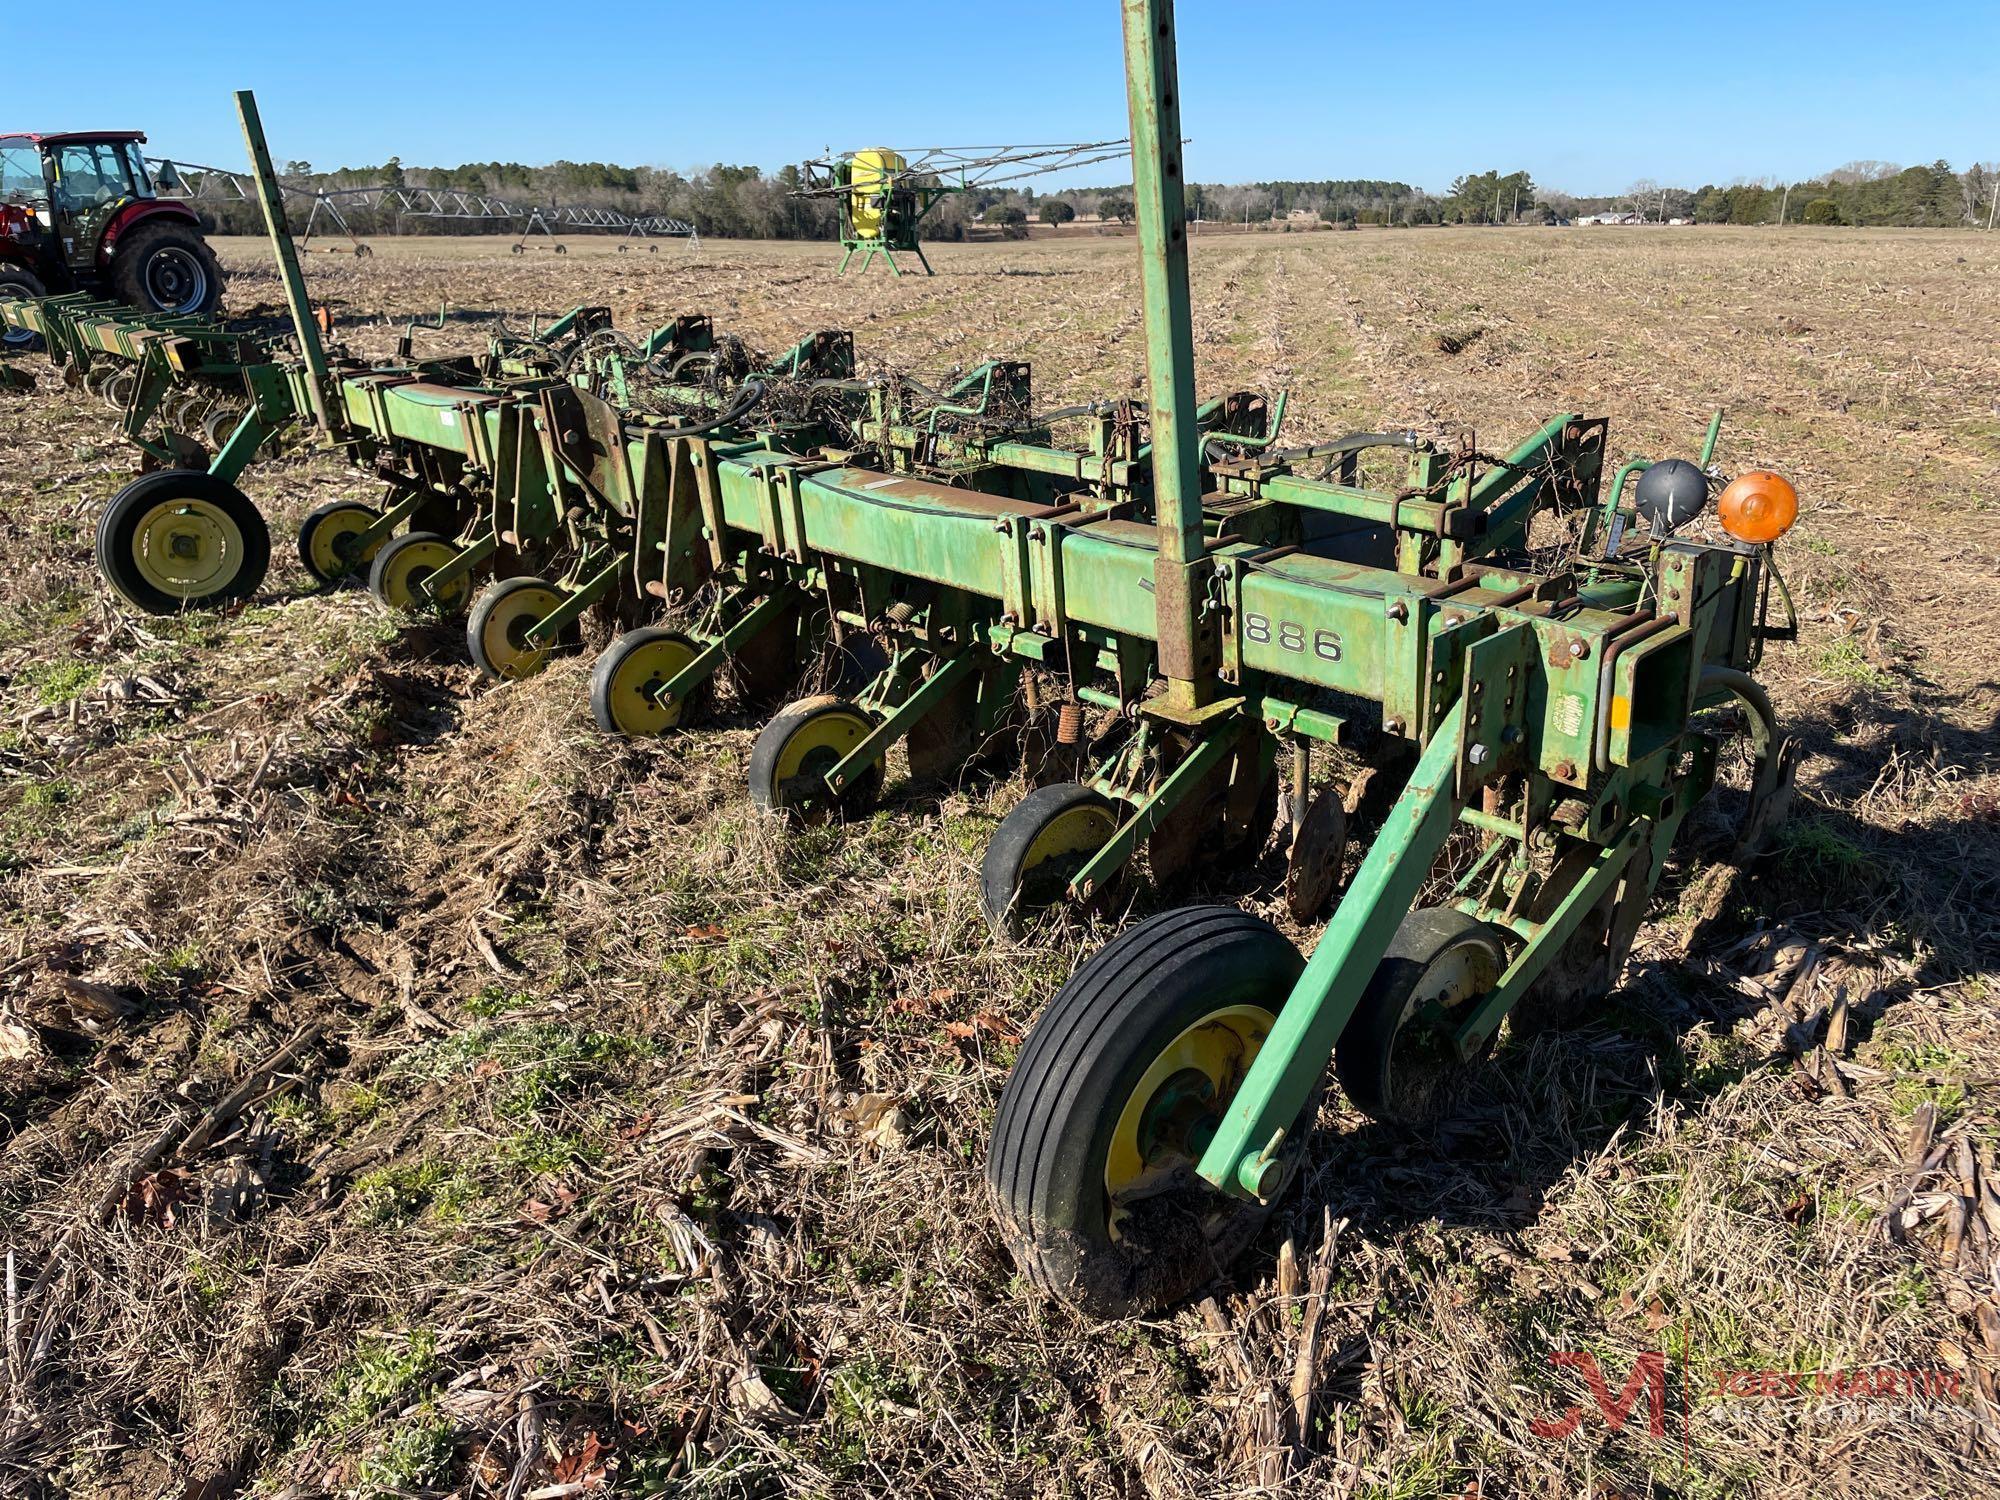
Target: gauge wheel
{"x":498,"y":625}
{"x":182,"y":539}
{"x":405,"y":562}
{"x":219,"y":425}
{"x":1038,"y":849}
{"x":625,"y":683}
{"x":1116,"y":1094}
{"x":118,"y":387}
{"x":329,"y":537}
{"x":790,"y":761}
{"x":1395,"y":1059}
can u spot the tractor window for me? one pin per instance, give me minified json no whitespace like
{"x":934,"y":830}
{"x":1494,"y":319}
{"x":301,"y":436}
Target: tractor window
{"x":20,"y":170}
{"x":136,"y":173}
{"x":88,"y":176}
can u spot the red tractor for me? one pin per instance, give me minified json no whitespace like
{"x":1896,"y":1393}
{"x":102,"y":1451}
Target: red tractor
{"x":79,"y":212}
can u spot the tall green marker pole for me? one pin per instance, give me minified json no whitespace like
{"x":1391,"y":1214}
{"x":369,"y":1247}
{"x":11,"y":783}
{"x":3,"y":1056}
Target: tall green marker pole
{"x":271,"y":197}
{"x":1152,"y":85}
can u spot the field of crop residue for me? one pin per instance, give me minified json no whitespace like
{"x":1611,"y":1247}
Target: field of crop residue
{"x":407,"y":1091}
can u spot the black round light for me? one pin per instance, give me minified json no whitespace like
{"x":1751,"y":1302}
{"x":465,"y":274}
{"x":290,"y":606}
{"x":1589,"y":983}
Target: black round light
{"x":1670,"y":494}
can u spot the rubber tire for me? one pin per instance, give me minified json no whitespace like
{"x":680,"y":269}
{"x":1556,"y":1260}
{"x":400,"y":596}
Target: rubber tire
{"x":490,"y":600}
{"x":1000,"y":872}
{"x":1361,"y":1058}
{"x":378,"y":569}
{"x":766,"y":754}
{"x":18,"y":281}
{"x":1060,"y":1106}
{"x":318,"y":517}
{"x":116,"y":528}
{"x":604,"y":673}
{"x":128,"y":266}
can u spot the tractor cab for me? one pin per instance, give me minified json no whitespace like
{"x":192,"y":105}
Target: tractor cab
{"x":79,"y":211}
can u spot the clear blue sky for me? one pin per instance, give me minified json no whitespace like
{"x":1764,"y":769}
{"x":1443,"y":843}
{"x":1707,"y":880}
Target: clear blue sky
{"x":1586,"y":96}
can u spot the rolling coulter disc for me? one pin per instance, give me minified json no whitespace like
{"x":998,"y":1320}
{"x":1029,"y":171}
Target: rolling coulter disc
{"x":1117,"y":1091}
{"x":790,"y":761}
{"x":327,"y":540}
{"x":118,"y":387}
{"x":498,"y":625}
{"x":1395,"y":1059}
{"x":1312,"y":861}
{"x":625,"y":683}
{"x":404,"y":562}
{"x":182,"y":539}
{"x":1038,"y":849}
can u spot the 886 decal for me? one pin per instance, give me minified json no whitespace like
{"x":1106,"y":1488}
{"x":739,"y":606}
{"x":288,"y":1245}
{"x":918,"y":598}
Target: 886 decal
{"x":1291,"y":636}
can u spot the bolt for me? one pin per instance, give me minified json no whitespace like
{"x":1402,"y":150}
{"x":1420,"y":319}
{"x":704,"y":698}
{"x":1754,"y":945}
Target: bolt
{"x":1451,"y":617}
{"x":1399,"y":611}
{"x":1477,"y":755}
{"x":1565,"y":770}
{"x":1511,"y":735}
{"x":1392,"y":726}
{"x":1579,"y":649}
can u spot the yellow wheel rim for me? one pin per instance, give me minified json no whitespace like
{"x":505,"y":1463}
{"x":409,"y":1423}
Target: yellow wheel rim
{"x":822,"y":741}
{"x":330,"y":559}
{"x":639,"y":675}
{"x":187,"y":548}
{"x":1169,"y":1116}
{"x":410,"y":566}
{"x":1083,"y":829}
{"x":503,"y":634}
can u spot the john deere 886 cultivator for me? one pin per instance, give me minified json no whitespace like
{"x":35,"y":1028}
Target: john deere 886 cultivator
{"x":1211,"y":599}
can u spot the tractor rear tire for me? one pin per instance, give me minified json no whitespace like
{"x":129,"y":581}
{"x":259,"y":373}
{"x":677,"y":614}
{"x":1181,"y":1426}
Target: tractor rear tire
{"x":166,"y":267}
{"x":182,"y":539}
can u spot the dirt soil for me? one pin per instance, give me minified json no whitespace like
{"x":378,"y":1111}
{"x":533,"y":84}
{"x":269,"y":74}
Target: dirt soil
{"x":406,"y":1091}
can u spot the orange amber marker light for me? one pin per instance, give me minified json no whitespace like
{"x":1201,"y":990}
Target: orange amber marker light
{"x":1758,"y":507}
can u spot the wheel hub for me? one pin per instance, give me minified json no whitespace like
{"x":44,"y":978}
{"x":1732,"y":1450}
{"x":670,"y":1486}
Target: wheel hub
{"x":187,"y":548}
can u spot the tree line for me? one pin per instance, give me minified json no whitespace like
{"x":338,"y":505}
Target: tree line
{"x":747,"y":202}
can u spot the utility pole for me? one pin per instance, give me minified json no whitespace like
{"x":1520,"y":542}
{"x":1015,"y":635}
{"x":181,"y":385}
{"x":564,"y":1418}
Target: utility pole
{"x":1515,"y":217}
{"x":1663,"y":205}
{"x":1496,"y":203}
{"x":1995,"y":209}
{"x":1783,"y":204}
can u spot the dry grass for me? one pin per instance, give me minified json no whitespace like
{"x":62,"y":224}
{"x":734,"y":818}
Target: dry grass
{"x":626,"y":1136}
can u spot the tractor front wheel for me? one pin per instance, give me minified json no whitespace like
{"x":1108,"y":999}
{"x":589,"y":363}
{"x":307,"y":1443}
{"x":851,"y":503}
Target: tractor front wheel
{"x":166,"y":267}
{"x":1116,"y":1094}
{"x":16,"y":281}
{"x":182,"y":539}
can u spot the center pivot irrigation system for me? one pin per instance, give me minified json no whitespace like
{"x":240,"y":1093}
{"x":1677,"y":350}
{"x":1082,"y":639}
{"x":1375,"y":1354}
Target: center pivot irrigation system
{"x":191,"y":183}
{"x":884,"y":196}
{"x":1213,"y":600}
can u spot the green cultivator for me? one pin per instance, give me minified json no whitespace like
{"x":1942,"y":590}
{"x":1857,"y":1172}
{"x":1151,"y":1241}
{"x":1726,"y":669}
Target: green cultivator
{"x":1189,"y":602}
